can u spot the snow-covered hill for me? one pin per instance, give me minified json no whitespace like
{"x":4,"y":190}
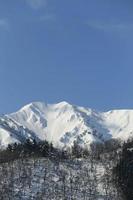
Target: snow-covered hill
{"x":64,"y":123}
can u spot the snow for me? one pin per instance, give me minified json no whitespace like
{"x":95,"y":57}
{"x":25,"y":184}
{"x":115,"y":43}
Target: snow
{"x":119,"y":123}
{"x":6,"y":138}
{"x":64,"y":123}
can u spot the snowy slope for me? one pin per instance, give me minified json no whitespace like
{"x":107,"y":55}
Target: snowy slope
{"x":64,"y":123}
{"x":59,"y":123}
{"x":11,"y":132}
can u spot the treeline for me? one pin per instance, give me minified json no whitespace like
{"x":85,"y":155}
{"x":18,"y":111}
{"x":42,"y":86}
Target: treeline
{"x":32,"y":148}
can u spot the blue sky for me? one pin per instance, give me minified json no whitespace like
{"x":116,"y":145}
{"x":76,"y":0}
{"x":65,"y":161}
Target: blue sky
{"x":77,"y":51}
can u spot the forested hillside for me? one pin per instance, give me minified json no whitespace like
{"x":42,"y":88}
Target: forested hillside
{"x":39,"y":171}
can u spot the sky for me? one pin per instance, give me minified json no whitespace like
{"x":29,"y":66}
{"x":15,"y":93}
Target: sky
{"x":71,"y":50}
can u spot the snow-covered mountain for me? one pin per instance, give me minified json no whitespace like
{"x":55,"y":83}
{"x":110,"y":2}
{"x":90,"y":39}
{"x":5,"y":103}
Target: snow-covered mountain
{"x":63,"y":123}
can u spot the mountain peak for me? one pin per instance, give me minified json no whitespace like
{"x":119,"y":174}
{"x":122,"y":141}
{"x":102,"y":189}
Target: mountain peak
{"x":42,"y":105}
{"x":63,"y":103}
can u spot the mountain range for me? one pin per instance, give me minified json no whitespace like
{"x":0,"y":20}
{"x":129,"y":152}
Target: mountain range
{"x":63,"y":123}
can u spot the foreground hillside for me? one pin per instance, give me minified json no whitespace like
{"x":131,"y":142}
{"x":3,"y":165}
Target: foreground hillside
{"x":63,"y":124}
{"x":57,"y":179}
{"x":37,"y":170}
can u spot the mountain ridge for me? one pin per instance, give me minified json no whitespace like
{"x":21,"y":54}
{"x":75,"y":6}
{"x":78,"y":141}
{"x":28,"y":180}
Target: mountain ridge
{"x":63,"y":123}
